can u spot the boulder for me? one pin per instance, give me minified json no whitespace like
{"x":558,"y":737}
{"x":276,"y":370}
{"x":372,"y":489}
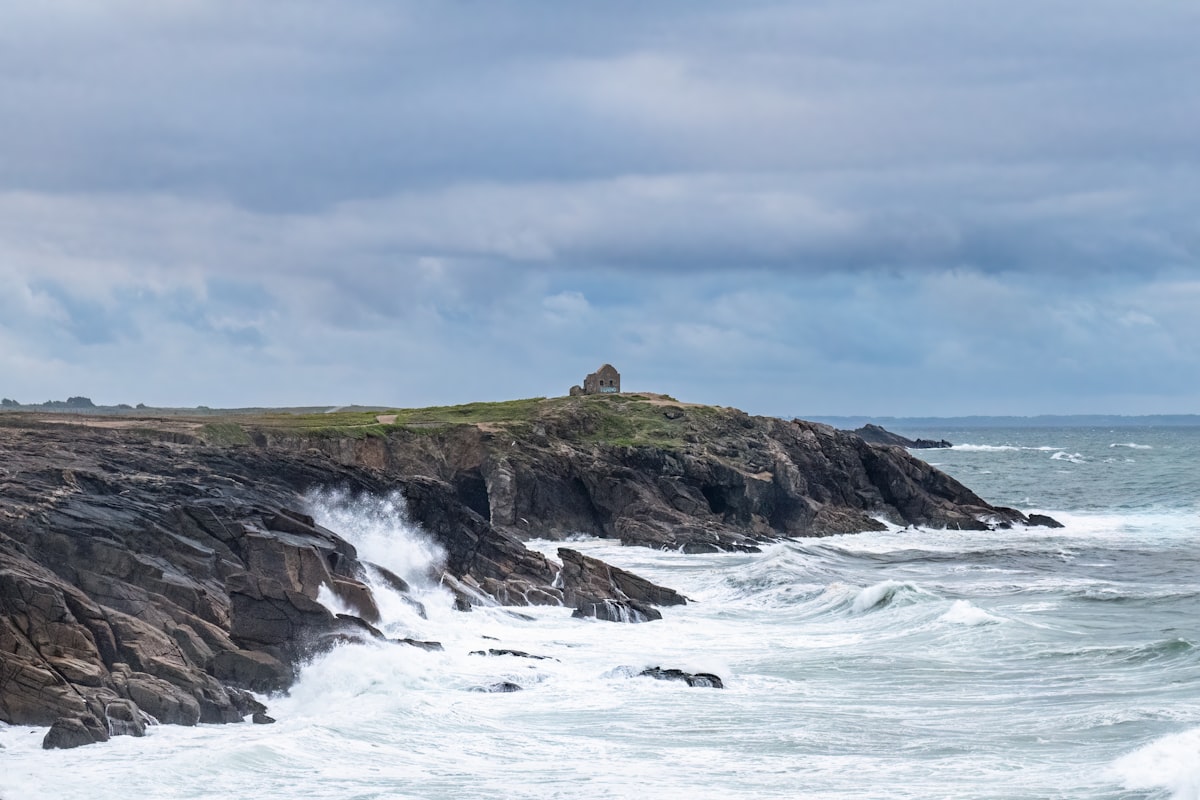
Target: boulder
{"x":69,"y":732}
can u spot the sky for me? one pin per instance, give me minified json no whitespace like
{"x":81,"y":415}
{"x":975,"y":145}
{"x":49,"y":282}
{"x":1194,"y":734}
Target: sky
{"x":925,"y":207}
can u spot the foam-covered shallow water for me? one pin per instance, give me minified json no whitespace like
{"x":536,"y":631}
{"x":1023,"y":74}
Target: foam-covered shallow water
{"x":902,"y":664}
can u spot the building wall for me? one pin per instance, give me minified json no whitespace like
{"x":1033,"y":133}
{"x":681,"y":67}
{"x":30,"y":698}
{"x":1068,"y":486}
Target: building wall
{"x":605,"y":380}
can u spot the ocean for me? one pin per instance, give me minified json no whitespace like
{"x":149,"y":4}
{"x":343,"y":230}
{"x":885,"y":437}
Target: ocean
{"x":902,"y":664}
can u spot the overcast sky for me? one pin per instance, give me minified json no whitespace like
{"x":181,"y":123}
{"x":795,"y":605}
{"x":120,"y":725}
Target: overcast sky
{"x":918,"y":207}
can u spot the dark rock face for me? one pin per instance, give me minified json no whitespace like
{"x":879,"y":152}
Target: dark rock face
{"x":596,"y":589}
{"x":878,"y":435}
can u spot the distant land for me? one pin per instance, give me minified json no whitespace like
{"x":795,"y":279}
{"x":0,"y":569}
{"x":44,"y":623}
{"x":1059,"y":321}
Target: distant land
{"x":84,"y":405}
{"x":1040,"y":421}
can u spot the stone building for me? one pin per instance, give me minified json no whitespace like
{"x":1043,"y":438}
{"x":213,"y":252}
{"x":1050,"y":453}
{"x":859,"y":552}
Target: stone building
{"x":605,"y":380}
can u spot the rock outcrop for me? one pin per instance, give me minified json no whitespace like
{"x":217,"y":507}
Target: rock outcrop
{"x":647,"y":470}
{"x":596,"y":589}
{"x":146,"y":575}
{"x":879,"y":435}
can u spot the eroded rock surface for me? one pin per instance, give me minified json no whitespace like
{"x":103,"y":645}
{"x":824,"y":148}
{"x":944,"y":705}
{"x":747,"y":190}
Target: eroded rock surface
{"x":150,"y":576}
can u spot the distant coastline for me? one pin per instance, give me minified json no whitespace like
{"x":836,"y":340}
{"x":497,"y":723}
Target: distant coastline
{"x":1040,"y":421}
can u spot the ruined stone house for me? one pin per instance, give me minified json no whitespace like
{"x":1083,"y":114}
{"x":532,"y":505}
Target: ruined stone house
{"x":605,"y":380}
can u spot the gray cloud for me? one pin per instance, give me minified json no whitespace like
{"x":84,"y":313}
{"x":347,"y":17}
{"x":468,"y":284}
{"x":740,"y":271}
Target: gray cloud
{"x":983,"y":207}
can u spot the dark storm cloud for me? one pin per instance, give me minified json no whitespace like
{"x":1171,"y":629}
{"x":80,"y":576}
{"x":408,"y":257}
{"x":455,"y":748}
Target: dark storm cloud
{"x":782,"y":189}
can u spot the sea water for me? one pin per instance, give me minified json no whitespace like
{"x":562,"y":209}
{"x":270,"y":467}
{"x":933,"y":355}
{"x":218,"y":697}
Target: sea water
{"x":1026,"y":663}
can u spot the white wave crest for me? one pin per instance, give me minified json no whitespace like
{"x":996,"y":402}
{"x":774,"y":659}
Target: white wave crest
{"x":985,"y":448}
{"x":886,"y":593}
{"x":1074,"y":458}
{"x":1132,"y":445}
{"x":1171,"y":763}
{"x":963,"y":612}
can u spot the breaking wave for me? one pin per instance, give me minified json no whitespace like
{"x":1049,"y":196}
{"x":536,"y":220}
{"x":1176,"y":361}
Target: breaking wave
{"x":1171,"y":763}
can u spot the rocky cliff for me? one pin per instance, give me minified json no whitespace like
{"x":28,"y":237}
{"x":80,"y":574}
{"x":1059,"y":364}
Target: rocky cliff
{"x":162,"y":568}
{"x":648,"y":470}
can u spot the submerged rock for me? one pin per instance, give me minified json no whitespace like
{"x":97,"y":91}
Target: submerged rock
{"x":502,"y":687}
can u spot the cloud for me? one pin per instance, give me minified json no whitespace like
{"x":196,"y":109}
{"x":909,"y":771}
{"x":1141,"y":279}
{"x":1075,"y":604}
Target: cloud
{"x":980,"y":208}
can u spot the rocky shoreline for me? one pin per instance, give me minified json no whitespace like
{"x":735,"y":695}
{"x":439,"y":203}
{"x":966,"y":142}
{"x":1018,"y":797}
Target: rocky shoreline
{"x":151,"y":574}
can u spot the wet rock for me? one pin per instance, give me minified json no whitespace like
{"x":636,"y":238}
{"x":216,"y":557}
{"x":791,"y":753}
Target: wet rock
{"x":502,"y":687}
{"x":1043,"y":521}
{"x":252,"y":669}
{"x":597,"y":589}
{"x":431,"y":646}
{"x":617,"y":611}
{"x":492,"y":651}
{"x":697,"y":679}
{"x":124,"y":718}
{"x":69,"y":732}
{"x":261,"y":718}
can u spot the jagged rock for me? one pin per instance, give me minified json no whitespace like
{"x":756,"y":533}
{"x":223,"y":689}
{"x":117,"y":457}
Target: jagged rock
{"x":69,"y":732}
{"x":697,"y":679}
{"x":261,"y":718}
{"x":1043,"y":521}
{"x":431,"y":646}
{"x":596,"y":589}
{"x":876,"y":434}
{"x":516,"y":653}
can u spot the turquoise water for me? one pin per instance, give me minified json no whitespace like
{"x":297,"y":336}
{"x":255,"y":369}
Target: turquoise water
{"x":903,"y":664}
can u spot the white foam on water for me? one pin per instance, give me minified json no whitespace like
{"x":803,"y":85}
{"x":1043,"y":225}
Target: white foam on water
{"x":1074,"y":458}
{"x":1132,"y":445}
{"x":1171,"y":763}
{"x":986,"y":448}
{"x":1000,"y":448}
{"x":963,"y":612}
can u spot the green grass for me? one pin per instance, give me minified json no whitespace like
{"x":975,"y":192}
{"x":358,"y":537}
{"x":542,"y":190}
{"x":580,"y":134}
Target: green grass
{"x":628,"y":420}
{"x":224,"y":433}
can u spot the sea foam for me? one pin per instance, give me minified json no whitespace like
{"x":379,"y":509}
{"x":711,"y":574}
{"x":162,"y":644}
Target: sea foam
{"x":1171,"y":763}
